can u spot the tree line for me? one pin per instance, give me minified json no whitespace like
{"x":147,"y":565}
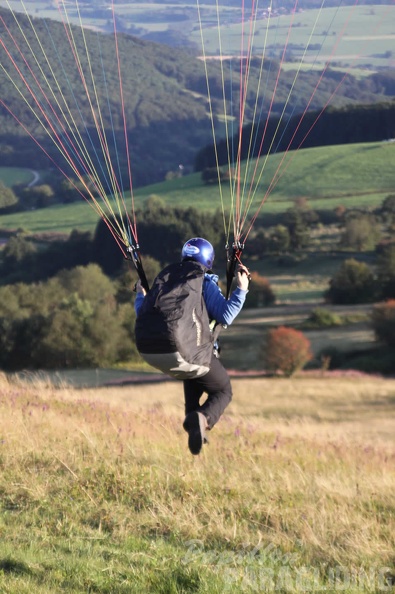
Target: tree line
{"x":345,"y":125}
{"x":163,"y":230}
{"x":75,"y":319}
{"x":68,"y":302}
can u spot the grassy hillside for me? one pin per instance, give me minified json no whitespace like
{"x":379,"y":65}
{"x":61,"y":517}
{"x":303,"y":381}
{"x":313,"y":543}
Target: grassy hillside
{"x":353,"y":175}
{"x":293,"y":493}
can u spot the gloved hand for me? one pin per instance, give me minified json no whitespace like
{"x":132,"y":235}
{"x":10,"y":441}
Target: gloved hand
{"x":138,"y":287}
{"x":243,"y":277}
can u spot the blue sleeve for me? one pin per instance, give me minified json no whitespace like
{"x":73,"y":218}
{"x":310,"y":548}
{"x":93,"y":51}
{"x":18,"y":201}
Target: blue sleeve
{"x":218,"y":308}
{"x":138,"y":303}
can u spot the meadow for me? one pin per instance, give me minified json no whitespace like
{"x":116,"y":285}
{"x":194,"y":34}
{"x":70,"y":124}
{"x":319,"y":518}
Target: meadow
{"x":294,"y":492}
{"x":11,"y":176}
{"x":355,"y":176}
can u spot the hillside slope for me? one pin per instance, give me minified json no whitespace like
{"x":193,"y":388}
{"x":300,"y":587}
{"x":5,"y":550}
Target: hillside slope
{"x":164,"y":92}
{"x":360,"y":175}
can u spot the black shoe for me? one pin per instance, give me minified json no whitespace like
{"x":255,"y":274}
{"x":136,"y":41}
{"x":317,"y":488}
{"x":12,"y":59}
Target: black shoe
{"x":195,"y":424}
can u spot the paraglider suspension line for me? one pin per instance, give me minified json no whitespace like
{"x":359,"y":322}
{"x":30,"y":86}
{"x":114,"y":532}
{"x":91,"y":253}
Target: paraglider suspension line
{"x":133,"y":254}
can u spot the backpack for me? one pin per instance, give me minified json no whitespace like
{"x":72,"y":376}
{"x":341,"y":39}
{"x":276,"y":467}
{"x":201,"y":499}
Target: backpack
{"x":172,"y":327}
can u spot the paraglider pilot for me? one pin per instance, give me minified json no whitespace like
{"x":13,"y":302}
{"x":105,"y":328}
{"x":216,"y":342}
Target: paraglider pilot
{"x":174,"y":332}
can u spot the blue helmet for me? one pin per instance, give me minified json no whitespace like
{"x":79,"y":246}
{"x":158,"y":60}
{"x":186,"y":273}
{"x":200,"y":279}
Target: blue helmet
{"x":200,"y":250}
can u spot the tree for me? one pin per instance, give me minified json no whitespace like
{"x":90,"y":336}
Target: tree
{"x":340,"y":212}
{"x":211,"y":175}
{"x":257,"y":242}
{"x":297,"y":228}
{"x":19,"y":340}
{"x":386,"y":271}
{"x":60,"y":254}
{"x":260,"y":292}
{"x":18,"y":254}
{"x":287,"y":350}
{"x":37,"y":197}
{"x":72,"y":320}
{"x":388,"y":210}
{"x":361,"y":232}
{"x":383,"y":320}
{"x":82,"y":334}
{"x":162,"y":233}
{"x":7,"y":196}
{"x":389,"y":204}
{"x":125,"y":281}
{"x":279,"y":240}
{"x":322,"y":318}
{"x":88,"y":282}
{"x":64,"y":343}
{"x":354,"y":282}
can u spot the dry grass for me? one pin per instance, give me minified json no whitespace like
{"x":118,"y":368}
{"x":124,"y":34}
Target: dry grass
{"x":99,"y":492}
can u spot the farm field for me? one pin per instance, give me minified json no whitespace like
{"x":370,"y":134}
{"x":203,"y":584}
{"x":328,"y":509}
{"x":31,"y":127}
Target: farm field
{"x":350,"y":36}
{"x":293,"y":493}
{"x":242,"y":343}
{"x":353,"y":36}
{"x":355,"y":176}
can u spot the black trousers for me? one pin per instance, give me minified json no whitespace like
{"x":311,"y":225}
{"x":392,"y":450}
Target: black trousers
{"x":216,"y":384}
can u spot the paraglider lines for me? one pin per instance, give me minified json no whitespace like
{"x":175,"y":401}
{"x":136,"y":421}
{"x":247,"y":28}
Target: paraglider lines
{"x":54,"y":115}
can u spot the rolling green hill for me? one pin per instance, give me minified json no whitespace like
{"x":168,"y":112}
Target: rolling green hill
{"x":359,"y":175}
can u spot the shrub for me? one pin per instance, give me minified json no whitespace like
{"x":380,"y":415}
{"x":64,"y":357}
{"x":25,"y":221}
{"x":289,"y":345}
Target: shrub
{"x":383,"y":319}
{"x":323,"y":318}
{"x":260,"y":293}
{"x":7,"y":196}
{"x":287,"y":350}
{"x":361,"y":232}
{"x":353,"y":283}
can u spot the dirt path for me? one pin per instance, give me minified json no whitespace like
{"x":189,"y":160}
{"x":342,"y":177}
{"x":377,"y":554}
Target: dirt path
{"x":35,"y":180}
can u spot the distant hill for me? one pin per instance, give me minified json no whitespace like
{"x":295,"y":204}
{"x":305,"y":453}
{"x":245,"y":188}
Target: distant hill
{"x":165,"y":95}
{"x":354,"y":176}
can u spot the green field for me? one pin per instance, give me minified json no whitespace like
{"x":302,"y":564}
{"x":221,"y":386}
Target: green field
{"x":294,"y":493}
{"x":356,"y":176}
{"x":10,"y":176}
